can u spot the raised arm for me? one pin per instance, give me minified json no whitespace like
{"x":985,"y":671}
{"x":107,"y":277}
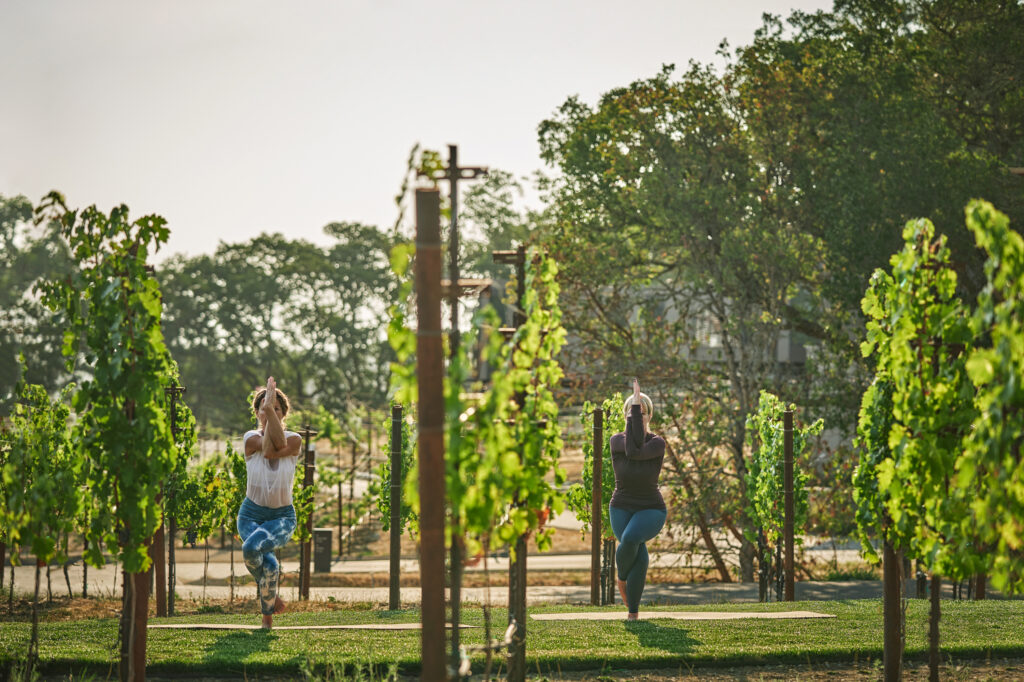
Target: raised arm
{"x":637,"y":444}
{"x":273,"y":430}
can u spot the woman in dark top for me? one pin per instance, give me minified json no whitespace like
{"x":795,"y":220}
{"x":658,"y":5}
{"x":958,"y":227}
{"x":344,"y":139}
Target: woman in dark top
{"x":637,"y":509}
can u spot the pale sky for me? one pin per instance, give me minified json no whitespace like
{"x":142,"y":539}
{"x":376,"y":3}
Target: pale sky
{"x":235,"y":117}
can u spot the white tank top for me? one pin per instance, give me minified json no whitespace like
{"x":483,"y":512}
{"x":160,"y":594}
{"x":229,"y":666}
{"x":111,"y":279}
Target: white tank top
{"x":269,"y":481}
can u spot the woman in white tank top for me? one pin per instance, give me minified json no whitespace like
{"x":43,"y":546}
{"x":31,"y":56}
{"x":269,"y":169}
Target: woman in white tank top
{"x":266,"y":519}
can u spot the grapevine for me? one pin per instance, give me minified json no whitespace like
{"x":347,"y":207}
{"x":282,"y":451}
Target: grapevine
{"x":579,"y":497}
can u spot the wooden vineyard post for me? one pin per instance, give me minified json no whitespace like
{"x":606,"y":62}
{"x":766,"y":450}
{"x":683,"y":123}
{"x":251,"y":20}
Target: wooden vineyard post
{"x":595,"y":509}
{"x":430,"y":407}
{"x":394,"y":575}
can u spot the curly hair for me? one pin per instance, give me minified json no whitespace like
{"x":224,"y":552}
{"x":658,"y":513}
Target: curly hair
{"x":261,"y":393}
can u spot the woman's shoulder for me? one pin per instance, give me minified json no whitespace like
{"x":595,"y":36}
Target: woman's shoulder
{"x":655,"y":441}
{"x":249,"y":434}
{"x":618,"y":442}
{"x":289,"y":434}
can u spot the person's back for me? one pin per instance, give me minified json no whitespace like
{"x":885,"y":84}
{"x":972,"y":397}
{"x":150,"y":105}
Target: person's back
{"x":637,"y":510}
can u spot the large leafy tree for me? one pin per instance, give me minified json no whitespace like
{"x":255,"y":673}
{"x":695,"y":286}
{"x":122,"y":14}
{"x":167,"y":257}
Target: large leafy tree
{"x":28,"y":253}
{"x":309,"y":315}
{"x":675,"y":265}
{"x":878,"y":112}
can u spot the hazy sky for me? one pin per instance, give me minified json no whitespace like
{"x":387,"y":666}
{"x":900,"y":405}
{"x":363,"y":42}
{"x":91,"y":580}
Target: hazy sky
{"x":233,"y":117}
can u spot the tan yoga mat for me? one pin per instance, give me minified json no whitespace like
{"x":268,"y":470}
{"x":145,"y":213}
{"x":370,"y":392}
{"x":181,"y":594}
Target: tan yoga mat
{"x":681,"y":615}
{"x":238,"y":626}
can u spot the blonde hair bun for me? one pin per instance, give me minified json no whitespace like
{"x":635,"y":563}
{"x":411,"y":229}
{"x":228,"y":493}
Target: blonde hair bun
{"x":645,"y":404}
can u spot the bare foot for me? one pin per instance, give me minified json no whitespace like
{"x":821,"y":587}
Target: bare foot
{"x":622,"y":590}
{"x":279,"y":606}
{"x":632,"y":616}
{"x":268,"y":622}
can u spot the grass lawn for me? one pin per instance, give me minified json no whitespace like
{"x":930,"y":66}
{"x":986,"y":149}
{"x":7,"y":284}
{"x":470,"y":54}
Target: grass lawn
{"x":968,"y":629}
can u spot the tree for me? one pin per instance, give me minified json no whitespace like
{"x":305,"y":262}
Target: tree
{"x":766,"y":485}
{"x":875,"y":113}
{"x":41,"y":486}
{"x":990,"y":470}
{"x":111,"y":307}
{"x":306,"y":314}
{"x":30,"y":253}
{"x":661,"y":189}
{"x":918,"y":332}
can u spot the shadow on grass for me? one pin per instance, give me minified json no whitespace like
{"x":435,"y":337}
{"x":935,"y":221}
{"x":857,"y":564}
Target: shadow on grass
{"x":669,"y":639}
{"x":238,"y":645}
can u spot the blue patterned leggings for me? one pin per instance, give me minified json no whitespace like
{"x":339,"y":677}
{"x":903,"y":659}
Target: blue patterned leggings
{"x":633,"y":529}
{"x":262,"y":530}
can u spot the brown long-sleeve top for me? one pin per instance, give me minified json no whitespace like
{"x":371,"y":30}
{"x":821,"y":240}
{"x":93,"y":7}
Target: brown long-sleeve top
{"x":637,"y":458}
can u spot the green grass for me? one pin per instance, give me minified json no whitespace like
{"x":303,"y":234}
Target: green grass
{"x":968,"y":630}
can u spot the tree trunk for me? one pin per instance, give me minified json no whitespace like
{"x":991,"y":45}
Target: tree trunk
{"x":3,"y":560}
{"x":33,"y":644}
{"x":747,"y":554}
{"x":716,"y":556}
{"x":933,"y":629}
{"x":85,"y":568}
{"x":137,"y":598}
{"x":10,"y":592}
{"x":892,"y":611}
{"x":67,"y":579}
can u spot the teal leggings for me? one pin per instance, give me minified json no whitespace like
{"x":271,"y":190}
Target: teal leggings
{"x":633,"y":529}
{"x":263,"y":530}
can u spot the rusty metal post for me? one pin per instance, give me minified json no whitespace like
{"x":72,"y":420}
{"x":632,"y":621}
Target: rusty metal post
{"x":394,"y":575}
{"x":159,"y":567}
{"x":596,"y":508}
{"x":341,"y":506}
{"x":172,"y":523}
{"x":307,"y":482}
{"x":455,"y":555}
{"x":430,"y":407}
{"x":933,"y":628}
{"x":787,"y":439}
{"x":892,"y":614}
{"x":517,"y":568}
{"x":352,"y":497}
{"x":979,"y":591}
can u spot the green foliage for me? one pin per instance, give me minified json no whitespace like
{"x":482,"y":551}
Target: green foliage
{"x":991,"y":468}
{"x":502,"y":446}
{"x":766,"y":473}
{"x":918,"y":332}
{"x":580,"y":497}
{"x":111,"y":307}
{"x":873,"y":430}
{"x":380,"y":490}
{"x":41,"y":488}
{"x":307,"y":313}
{"x":28,"y":253}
